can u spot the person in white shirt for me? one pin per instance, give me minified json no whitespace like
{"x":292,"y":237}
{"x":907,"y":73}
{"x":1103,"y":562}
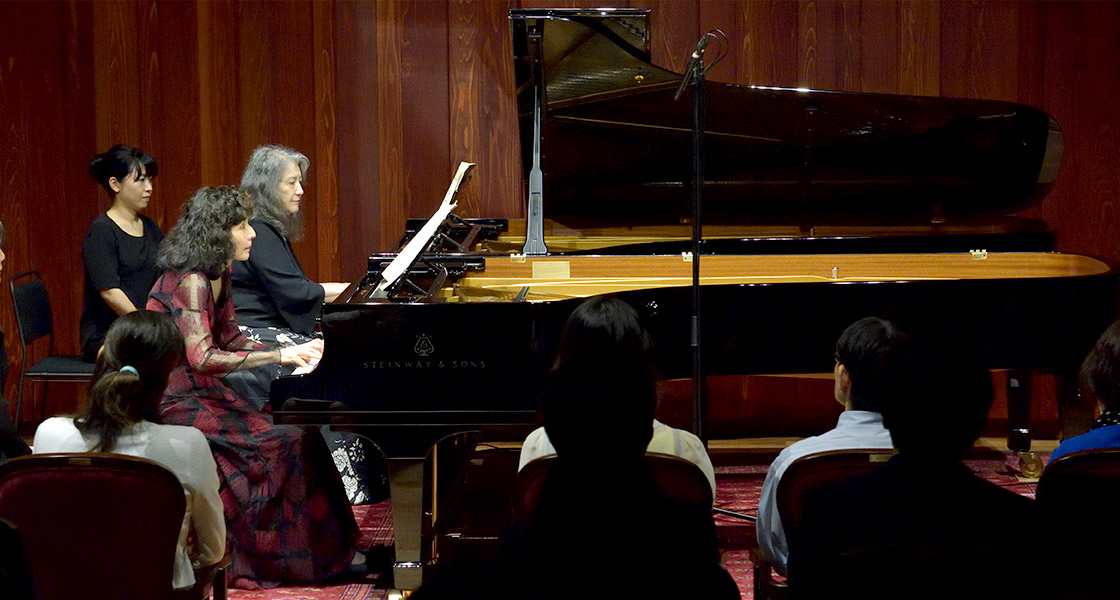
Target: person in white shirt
{"x":141,"y":349}
{"x":861,"y":355}
{"x":666,"y":440}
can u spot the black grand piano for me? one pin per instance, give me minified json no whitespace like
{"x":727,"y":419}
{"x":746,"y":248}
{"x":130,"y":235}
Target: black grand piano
{"x":820,"y":208}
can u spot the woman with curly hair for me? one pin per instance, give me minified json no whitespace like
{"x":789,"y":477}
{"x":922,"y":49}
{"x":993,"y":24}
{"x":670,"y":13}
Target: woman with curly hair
{"x":275,"y":301}
{"x":287,"y":514}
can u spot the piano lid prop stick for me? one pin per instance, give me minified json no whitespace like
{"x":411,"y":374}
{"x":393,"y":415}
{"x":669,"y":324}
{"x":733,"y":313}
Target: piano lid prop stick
{"x":420,"y":241}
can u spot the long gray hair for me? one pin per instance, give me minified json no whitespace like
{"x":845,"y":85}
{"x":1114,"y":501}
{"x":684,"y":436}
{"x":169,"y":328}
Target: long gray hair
{"x":262,"y":180}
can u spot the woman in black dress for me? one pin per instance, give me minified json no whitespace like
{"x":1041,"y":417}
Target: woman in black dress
{"x":276,"y":302}
{"x":120,"y":247}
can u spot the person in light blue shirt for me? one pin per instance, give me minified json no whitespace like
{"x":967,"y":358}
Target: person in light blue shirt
{"x":1099,"y":381}
{"x":861,"y":355}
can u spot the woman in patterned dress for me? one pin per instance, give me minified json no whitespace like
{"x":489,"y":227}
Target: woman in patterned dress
{"x":288,"y":519}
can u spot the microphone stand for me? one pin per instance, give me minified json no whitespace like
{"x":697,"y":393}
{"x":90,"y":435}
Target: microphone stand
{"x":699,"y":402}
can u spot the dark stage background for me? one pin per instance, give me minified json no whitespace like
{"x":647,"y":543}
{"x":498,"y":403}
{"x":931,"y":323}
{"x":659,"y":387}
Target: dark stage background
{"x":387,"y":96}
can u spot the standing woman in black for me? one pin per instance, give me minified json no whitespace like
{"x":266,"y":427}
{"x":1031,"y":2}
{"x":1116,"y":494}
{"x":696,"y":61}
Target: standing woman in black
{"x":120,"y":247}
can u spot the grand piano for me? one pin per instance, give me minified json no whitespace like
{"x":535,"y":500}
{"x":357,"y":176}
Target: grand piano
{"x":819,"y":208}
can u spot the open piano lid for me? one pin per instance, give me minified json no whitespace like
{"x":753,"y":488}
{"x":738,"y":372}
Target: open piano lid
{"x":615,"y":148}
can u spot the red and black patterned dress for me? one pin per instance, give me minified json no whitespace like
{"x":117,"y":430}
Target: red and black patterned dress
{"x":286,"y":512}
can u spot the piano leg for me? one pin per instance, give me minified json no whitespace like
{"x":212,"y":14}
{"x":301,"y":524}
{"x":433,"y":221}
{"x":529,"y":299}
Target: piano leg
{"x":1019,"y":384}
{"x":406,"y":477}
{"x":1076,"y":414}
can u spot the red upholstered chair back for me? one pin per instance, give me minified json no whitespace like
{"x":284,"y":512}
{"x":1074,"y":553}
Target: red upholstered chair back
{"x":1082,"y":478}
{"x":95,"y":525}
{"x":813,"y":471}
{"x":804,"y":474}
{"x":676,"y":479}
{"x":1078,"y":494}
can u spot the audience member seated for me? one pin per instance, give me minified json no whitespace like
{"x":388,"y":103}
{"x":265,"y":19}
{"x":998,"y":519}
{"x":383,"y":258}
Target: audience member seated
{"x":1100,"y":382}
{"x":925,"y":526}
{"x":120,"y":248}
{"x":601,"y":529}
{"x":141,"y":349}
{"x":861,"y":354}
{"x":666,"y":440}
{"x":11,"y":443}
{"x":288,"y":517}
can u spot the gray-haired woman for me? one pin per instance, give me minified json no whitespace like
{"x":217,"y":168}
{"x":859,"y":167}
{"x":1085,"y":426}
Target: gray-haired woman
{"x":276,"y":302}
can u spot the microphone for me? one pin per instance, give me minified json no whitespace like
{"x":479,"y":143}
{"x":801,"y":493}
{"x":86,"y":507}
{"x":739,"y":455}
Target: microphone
{"x":696,"y":56}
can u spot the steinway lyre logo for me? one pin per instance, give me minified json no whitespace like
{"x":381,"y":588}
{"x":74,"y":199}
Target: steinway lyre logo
{"x":424,"y":345}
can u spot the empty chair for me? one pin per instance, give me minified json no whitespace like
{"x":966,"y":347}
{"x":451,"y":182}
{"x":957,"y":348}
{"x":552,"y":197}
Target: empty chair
{"x":34,"y":322}
{"x":98,"y":525}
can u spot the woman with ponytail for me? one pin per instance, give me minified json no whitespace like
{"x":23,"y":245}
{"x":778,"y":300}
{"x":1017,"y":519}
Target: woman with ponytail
{"x":122,"y":416}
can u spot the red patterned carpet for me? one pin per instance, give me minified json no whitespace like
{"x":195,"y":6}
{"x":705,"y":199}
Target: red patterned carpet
{"x":737,"y":489}
{"x":376,"y":524}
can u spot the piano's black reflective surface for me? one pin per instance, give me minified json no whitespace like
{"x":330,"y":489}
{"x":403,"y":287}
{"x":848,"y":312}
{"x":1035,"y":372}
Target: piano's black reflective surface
{"x":855,"y":182}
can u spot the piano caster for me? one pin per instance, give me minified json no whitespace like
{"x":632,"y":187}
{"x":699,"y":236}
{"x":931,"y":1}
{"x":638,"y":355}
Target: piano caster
{"x":407,"y":577}
{"x":1030,"y":465}
{"x":398,"y":594}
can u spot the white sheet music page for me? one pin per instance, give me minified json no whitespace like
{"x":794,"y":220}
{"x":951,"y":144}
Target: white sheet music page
{"x":416,"y":245}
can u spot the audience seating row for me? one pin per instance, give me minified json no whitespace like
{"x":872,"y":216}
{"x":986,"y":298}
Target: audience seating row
{"x":1077,"y":491}
{"x":95,"y":526}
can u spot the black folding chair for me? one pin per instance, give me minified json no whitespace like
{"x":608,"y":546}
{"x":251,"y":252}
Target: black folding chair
{"x":34,"y":321}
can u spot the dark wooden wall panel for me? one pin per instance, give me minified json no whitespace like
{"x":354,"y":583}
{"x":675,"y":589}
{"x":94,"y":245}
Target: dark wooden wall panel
{"x":178,"y":150}
{"x":391,"y":143}
{"x":325,"y":186}
{"x":219,"y":92}
{"x":818,"y":40}
{"x":919,"y":48}
{"x":674,"y":30}
{"x":483,"y":114}
{"x":259,"y":90}
{"x":1083,"y":62}
{"x":984,"y":36}
{"x":357,"y":82}
{"x":878,"y":48}
{"x":387,"y":96}
{"x":426,"y":105}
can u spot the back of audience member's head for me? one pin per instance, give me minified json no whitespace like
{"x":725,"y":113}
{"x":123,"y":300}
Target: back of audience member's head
{"x":141,"y":349}
{"x":602,"y":389}
{"x":864,"y":350}
{"x":942,"y":392}
{"x":1100,"y":372}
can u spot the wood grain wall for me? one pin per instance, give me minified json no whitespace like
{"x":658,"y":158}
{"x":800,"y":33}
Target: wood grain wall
{"x":386,"y":96}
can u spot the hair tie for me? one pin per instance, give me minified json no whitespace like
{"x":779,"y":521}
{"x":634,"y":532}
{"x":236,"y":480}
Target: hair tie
{"x":128,"y":369}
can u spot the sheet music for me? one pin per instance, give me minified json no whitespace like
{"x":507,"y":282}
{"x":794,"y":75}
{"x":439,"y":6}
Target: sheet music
{"x":420,"y":241}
